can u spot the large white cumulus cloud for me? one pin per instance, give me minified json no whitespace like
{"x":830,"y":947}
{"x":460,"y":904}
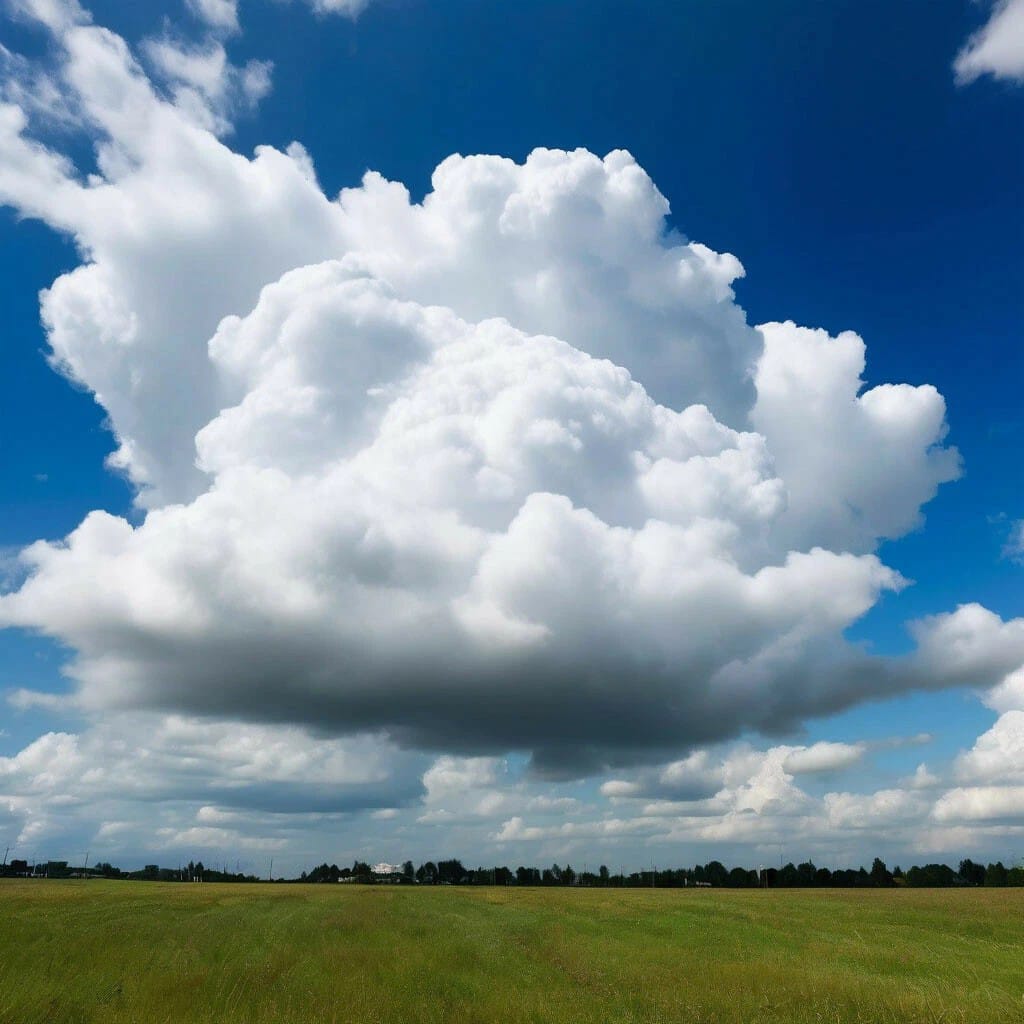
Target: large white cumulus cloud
{"x":504,"y":469}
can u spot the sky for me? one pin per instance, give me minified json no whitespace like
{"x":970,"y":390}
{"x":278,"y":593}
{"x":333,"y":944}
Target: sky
{"x":581,"y":432}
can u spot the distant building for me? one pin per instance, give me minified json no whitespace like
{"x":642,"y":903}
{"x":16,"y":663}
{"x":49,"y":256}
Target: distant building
{"x":393,"y":874}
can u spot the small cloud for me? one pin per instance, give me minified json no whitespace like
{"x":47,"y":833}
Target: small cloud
{"x":1013,"y":548}
{"x":220,"y":15}
{"x":32,"y":700}
{"x":920,"y":739}
{"x":823,"y":757}
{"x":997,"y":48}
{"x":350,"y":8}
{"x":41,"y":478}
{"x":922,"y":778}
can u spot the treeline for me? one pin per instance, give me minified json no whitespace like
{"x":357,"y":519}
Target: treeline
{"x":714,"y":873}
{"x":192,"y":872}
{"x":452,"y":872}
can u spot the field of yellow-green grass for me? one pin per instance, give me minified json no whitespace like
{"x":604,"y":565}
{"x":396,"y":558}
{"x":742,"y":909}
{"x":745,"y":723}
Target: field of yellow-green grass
{"x":119,"y":952}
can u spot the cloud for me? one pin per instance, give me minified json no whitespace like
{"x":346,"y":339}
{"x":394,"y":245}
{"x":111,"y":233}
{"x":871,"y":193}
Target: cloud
{"x":350,"y":8}
{"x":757,"y":806}
{"x":27,"y":700}
{"x":981,"y":803}
{"x":997,"y":755}
{"x":473,"y":789}
{"x":824,"y":757}
{"x":701,"y":775}
{"x":222,"y":15}
{"x":502,"y":470}
{"x":147,"y":770}
{"x":56,"y":15}
{"x":997,"y":48}
{"x":137,"y":784}
{"x":1013,"y":548}
{"x":762,"y":809}
{"x":858,"y":465}
{"x":205,"y":85}
{"x":217,"y":14}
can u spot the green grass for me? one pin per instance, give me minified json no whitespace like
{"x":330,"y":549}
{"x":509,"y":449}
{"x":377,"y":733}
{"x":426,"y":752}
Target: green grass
{"x":76,"y":952}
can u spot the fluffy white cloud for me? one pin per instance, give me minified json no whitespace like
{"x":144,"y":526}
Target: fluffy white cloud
{"x":1008,"y":695}
{"x":981,"y":803}
{"x":757,"y":806}
{"x":467,"y":789}
{"x":218,"y":14}
{"x":997,"y":48}
{"x":141,"y":784}
{"x":56,"y":15}
{"x":397,"y":476}
{"x":823,"y":757}
{"x":998,"y":754}
{"x":139,"y":780}
{"x":205,"y":85}
{"x":887,"y":808}
{"x":222,"y":15}
{"x":858,"y":465}
{"x":762,"y":810}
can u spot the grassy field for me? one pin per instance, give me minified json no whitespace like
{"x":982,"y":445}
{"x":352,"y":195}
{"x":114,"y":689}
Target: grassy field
{"x":132,"y":952}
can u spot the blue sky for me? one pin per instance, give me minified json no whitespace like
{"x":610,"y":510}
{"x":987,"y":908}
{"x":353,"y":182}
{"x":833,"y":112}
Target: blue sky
{"x":828,"y":146}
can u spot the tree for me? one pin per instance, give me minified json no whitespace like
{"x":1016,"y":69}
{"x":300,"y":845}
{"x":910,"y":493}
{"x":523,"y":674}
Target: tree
{"x":409,"y":870}
{"x":995,"y":874}
{"x":715,"y":873}
{"x":788,"y":876}
{"x":939,"y":876}
{"x":602,"y":873}
{"x":450,"y":872}
{"x":740,"y":878}
{"x":805,"y":874}
{"x":971,"y":873}
{"x":880,"y":873}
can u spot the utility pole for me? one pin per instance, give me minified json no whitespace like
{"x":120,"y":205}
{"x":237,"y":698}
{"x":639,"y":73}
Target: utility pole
{"x":271,"y":868}
{"x":7,"y":850}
